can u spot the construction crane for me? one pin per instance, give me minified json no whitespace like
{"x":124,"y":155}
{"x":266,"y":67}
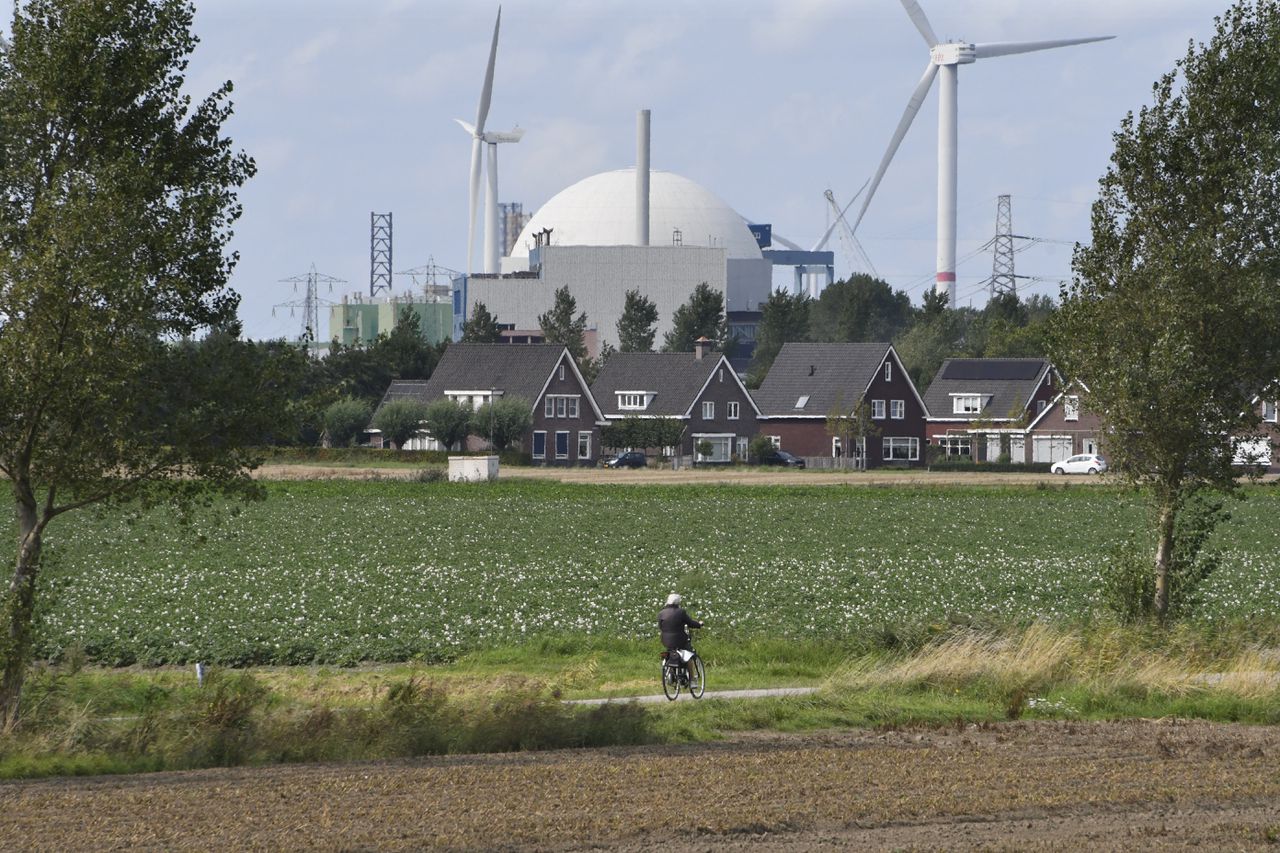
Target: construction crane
{"x":853,"y":250}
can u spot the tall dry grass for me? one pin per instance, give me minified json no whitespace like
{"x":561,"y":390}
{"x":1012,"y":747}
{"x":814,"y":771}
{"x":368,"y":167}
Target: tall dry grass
{"x":1042,"y":658}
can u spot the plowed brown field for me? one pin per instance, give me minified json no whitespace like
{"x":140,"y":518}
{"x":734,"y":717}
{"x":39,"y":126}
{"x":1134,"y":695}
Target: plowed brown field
{"x":1165,"y":785}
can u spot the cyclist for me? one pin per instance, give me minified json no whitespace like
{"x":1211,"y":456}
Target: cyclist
{"x":673,"y":623}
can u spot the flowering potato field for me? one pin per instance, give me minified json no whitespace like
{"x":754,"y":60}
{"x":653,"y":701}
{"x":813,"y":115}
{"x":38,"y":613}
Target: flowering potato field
{"x":338,"y":572}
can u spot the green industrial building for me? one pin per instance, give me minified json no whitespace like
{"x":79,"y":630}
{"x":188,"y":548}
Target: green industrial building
{"x":356,"y":319}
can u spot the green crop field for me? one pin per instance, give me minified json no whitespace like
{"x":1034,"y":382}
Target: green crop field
{"x":339,"y":572}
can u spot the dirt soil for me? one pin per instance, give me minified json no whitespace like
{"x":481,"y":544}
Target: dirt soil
{"x":1014,"y":786}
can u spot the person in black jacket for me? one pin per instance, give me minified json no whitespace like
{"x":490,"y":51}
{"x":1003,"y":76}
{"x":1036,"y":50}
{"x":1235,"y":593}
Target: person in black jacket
{"x":673,"y":623}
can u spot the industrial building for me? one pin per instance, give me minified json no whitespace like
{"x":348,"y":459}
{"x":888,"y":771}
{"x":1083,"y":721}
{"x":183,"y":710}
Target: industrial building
{"x":361,"y":319}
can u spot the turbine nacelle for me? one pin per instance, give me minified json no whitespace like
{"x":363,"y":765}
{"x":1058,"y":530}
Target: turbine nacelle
{"x":953,"y":53}
{"x":492,"y":137}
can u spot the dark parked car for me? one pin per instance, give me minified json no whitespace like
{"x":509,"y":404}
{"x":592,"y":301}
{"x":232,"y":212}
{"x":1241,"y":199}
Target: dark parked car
{"x":630,"y":459}
{"x":782,"y":457}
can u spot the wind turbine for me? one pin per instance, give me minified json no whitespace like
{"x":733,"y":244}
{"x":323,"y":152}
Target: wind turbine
{"x":945,"y":58}
{"x":478,"y":138}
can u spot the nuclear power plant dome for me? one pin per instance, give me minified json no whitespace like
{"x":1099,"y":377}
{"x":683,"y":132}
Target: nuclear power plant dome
{"x":601,"y":211}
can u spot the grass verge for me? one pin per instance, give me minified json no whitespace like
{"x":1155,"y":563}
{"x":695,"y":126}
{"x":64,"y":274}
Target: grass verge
{"x":90,"y":721}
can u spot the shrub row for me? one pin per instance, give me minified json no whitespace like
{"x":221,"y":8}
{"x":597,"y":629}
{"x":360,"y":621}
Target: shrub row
{"x":992,"y":467}
{"x":349,"y":455}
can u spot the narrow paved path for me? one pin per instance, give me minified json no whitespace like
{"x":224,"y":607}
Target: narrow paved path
{"x":710,"y":694}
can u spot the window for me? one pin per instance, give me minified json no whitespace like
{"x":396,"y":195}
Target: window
{"x":743,"y":447}
{"x":549,"y":407}
{"x":775,"y":440}
{"x":722,"y":374}
{"x":877,"y":409}
{"x":573,"y":407}
{"x":888,"y":372}
{"x":1041,"y":405}
{"x":899,"y":449}
{"x":966,"y":404}
{"x":562,"y":445}
{"x":721,"y":447}
{"x":561,"y":406}
{"x":732,"y":407}
{"x":1071,"y":408}
{"x":630,"y":400}
{"x":539,"y":445}
{"x":562,"y":372}
{"x":802,"y":401}
{"x":956,"y":445}
{"x":708,"y":410}
{"x":897,"y":409}
{"x":584,"y":445}
{"x":1269,"y":411}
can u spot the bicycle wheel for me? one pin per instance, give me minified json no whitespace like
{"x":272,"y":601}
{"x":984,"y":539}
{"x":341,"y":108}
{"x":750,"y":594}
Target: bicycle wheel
{"x":670,"y":682}
{"x":697,"y":678}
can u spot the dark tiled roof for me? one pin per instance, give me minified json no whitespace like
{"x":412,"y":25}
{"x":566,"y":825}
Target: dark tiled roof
{"x":825,"y":373}
{"x":1009,"y":382}
{"x":677,"y":377}
{"x":517,"y":370}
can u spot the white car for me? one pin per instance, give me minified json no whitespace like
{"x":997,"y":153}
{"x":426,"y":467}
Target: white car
{"x":1081,"y":463}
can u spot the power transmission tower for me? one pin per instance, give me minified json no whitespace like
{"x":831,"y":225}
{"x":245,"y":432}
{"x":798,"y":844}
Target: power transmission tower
{"x":1003,"y":279}
{"x":310,"y":303}
{"x":379,"y":253}
{"x":434,"y":281}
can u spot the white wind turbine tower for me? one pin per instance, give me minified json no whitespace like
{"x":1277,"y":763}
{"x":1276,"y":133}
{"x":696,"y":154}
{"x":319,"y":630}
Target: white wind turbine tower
{"x":945,"y":58}
{"x":479,"y":137}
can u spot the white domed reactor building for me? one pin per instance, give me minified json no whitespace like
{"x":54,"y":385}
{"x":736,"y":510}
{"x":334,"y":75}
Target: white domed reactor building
{"x":634,"y":229}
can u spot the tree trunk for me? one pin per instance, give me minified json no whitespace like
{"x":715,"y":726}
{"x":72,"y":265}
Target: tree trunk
{"x":19,"y":605}
{"x":1164,"y":555}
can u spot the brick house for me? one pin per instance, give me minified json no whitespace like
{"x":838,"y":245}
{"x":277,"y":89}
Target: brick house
{"x":700,"y":389}
{"x":979,"y":408}
{"x":566,"y":420}
{"x":1064,"y":428}
{"x":809,"y":381}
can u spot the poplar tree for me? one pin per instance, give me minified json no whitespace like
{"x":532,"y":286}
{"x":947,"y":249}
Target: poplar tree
{"x":1172,"y":321}
{"x":119,"y":194}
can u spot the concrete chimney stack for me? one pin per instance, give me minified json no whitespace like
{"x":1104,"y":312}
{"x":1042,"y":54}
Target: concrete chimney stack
{"x":642,"y":178}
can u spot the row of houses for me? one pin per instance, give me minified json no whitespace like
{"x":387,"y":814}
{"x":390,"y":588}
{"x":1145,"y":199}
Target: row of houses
{"x":853,"y":402}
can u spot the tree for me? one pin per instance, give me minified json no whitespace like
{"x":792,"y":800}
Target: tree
{"x":638,"y":323}
{"x":851,"y":425}
{"x":448,"y":422}
{"x":1185,"y":247}
{"x":399,"y":421}
{"x":503,"y":421}
{"x":784,"y":319}
{"x":860,"y":309}
{"x":701,"y":316}
{"x":404,"y":350}
{"x":481,"y":327}
{"x":119,"y":197}
{"x":559,"y":326}
{"x":345,"y":420}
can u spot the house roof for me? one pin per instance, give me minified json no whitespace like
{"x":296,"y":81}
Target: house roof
{"x":515,"y":370}
{"x":823,"y":373}
{"x":1007,"y":383}
{"x":676,"y":377}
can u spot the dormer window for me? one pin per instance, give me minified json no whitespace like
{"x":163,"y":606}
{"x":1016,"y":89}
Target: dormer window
{"x":966,"y":404}
{"x":634,"y":401}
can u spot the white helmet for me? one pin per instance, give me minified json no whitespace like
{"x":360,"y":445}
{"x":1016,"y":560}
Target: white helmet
{"x":673,"y":598}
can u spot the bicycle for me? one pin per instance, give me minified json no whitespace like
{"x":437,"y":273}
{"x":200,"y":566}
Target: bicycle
{"x":676,"y":677}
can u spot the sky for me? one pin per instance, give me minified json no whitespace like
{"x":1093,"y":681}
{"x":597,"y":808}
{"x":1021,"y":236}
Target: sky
{"x":348,"y":107}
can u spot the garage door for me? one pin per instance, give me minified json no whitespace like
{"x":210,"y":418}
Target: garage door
{"x":1050,"y":448}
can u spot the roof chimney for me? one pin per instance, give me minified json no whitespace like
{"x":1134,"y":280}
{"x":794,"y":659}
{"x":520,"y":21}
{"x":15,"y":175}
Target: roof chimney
{"x":701,"y":347}
{"x":642,"y":178}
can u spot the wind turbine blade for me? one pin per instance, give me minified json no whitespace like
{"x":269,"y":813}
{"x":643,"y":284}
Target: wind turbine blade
{"x":486,"y":94}
{"x":469,"y":128}
{"x":1006,"y":48}
{"x":921,"y":21}
{"x":473,"y":198}
{"x":908,"y":115}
